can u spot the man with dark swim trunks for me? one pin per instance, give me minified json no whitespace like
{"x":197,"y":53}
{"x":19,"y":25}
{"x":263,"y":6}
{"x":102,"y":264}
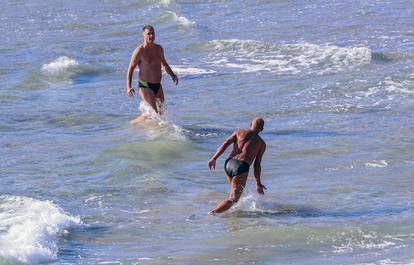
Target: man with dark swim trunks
{"x":149,"y":57}
{"x":248,"y":146}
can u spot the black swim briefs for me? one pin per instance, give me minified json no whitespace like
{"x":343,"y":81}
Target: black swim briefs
{"x":155,"y":87}
{"x":234,"y":167}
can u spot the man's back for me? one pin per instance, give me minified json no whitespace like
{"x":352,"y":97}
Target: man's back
{"x":247,"y":146}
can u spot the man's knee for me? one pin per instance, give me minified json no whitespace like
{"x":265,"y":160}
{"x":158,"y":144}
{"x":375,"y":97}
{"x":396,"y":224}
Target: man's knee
{"x":161,"y":99}
{"x":235,"y":197}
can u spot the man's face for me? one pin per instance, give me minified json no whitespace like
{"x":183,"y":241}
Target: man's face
{"x":149,"y":35}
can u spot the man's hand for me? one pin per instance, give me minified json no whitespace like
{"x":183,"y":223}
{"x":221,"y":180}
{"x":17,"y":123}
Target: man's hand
{"x":212,"y":164}
{"x":175,"y":79}
{"x":130,"y":92}
{"x":259,"y":188}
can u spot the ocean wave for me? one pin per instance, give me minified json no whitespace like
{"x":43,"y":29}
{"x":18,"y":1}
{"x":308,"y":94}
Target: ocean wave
{"x":29,"y":228}
{"x":183,"y":70}
{"x":391,"y":56}
{"x":388,"y":262}
{"x":168,"y":16}
{"x":358,"y":239}
{"x":398,"y":86}
{"x":66,"y":67}
{"x":60,"y":65}
{"x":197,"y":133}
{"x":62,"y":70}
{"x":388,"y":89}
{"x":254,"y":56}
{"x":166,"y":2}
{"x":377,"y":163}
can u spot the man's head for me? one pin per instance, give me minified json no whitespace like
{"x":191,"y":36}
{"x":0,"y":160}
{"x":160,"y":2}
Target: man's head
{"x":257,"y":124}
{"x":148,"y":33}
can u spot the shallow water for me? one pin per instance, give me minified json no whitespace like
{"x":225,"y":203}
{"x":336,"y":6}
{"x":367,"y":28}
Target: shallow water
{"x":334,"y":82}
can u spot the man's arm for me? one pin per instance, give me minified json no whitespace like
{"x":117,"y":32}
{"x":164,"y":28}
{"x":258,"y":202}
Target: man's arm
{"x":230,"y":140}
{"x":167,"y":67}
{"x":132,"y":64}
{"x":258,"y":169}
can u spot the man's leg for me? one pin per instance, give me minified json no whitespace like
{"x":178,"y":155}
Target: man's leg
{"x":147,"y":95}
{"x":228,"y":180}
{"x":237,"y":185}
{"x":159,"y":98}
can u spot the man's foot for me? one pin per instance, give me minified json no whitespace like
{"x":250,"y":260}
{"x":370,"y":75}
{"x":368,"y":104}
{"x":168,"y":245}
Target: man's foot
{"x":211,"y":213}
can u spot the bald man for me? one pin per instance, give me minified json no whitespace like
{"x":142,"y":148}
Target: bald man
{"x":248,"y":146}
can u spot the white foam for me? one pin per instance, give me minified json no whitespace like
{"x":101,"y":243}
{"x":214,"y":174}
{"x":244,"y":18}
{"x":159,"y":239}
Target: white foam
{"x":387,"y":262}
{"x":385,"y":92}
{"x":167,"y":2}
{"x":183,"y":70}
{"x":158,"y":125}
{"x":29,"y":228}
{"x":355,"y":240}
{"x":183,"y":21}
{"x":398,"y":87}
{"x":351,"y":246}
{"x":145,"y":258}
{"x":360,"y":241}
{"x":375,"y":163}
{"x":253,"y":202}
{"x":61,"y":65}
{"x":64,"y":69}
{"x":254,"y":56}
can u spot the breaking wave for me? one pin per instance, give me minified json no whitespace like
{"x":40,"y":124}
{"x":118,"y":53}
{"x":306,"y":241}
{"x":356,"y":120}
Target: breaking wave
{"x":254,"y":56}
{"x":29,"y":229}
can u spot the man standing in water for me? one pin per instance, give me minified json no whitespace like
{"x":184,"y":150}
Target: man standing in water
{"x":149,"y":57}
{"x":248,"y":146}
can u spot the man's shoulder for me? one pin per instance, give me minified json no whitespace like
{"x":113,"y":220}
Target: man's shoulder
{"x":159,"y":47}
{"x":240,"y":132}
{"x":139,"y":48}
{"x":262,"y":142}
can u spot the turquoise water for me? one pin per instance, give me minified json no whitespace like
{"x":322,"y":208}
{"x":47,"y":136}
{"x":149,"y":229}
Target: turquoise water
{"x":334,"y":82}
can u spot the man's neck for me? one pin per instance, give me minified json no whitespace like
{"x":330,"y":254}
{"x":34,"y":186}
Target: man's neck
{"x":148,"y":44}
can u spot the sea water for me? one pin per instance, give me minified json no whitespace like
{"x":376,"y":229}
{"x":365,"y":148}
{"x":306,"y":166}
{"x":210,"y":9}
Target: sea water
{"x":334,"y":81}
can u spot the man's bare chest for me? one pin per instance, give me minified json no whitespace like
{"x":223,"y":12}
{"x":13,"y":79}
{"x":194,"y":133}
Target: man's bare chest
{"x":151,"y":57}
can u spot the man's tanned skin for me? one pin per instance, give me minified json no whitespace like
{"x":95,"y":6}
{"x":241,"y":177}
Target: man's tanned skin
{"x":149,"y":57}
{"x":248,"y":146}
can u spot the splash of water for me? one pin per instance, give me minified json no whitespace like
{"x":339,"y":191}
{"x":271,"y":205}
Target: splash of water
{"x":158,"y":124}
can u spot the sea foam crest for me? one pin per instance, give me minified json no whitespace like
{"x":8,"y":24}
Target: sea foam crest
{"x":29,"y":228}
{"x":167,"y":2}
{"x":358,"y":239}
{"x":183,"y":70}
{"x":253,"y":56}
{"x":60,"y":65}
{"x":180,"y":20}
{"x":66,"y":69}
{"x":388,"y":91}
